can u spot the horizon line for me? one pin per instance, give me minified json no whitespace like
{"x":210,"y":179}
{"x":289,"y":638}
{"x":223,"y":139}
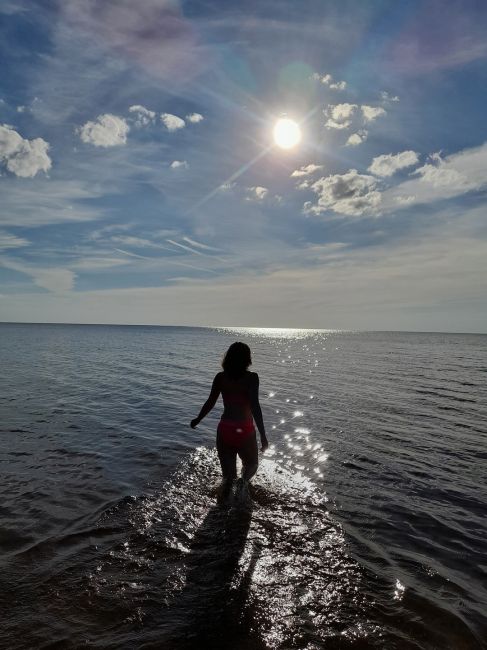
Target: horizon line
{"x":245,"y":327}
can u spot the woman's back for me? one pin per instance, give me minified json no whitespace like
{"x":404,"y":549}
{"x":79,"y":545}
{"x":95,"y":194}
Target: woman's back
{"x":237,"y":395}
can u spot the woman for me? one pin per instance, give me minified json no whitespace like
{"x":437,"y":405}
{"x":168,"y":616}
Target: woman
{"x":236,"y":432}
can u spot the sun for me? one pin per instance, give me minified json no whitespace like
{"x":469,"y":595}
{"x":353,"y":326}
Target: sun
{"x":287,"y":133}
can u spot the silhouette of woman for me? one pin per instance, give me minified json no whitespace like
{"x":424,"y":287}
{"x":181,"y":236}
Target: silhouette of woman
{"x":236,"y":433}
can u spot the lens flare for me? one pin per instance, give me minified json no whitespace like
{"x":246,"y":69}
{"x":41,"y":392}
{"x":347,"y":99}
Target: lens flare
{"x":287,"y":133}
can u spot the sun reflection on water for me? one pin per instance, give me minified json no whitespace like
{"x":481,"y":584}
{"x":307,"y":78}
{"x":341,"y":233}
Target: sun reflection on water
{"x":277,"y":332}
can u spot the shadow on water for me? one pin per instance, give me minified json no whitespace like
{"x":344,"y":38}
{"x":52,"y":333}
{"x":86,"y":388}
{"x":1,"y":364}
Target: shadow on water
{"x":212,"y":610}
{"x":269,"y":573}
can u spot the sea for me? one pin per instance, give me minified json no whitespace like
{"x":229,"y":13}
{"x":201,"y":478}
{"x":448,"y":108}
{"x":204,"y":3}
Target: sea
{"x":366,"y":525}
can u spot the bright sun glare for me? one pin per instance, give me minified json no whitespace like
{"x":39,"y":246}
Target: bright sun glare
{"x":287,"y":133}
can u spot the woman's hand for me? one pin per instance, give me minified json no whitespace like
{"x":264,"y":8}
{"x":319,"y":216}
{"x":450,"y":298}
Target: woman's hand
{"x":264,"y":443}
{"x":194,"y":423}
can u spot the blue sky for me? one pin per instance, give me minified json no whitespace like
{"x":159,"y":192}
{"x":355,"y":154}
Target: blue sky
{"x":140,"y":182}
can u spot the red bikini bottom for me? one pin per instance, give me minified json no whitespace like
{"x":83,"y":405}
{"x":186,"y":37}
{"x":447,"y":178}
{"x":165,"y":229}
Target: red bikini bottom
{"x":235,"y":432}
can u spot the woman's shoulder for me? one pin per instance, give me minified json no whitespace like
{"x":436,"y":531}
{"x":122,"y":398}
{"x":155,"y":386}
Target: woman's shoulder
{"x":252,"y":376}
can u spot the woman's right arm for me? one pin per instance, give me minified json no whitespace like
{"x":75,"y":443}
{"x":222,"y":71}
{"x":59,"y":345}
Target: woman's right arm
{"x":257,"y":411}
{"x":210,"y":402}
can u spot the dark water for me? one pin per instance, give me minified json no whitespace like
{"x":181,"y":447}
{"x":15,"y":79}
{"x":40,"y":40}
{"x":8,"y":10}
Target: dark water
{"x":367,"y":527}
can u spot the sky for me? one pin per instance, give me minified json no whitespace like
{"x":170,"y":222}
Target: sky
{"x":140,"y":182}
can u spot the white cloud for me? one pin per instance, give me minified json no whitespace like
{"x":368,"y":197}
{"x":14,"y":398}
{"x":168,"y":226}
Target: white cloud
{"x":194,"y":118}
{"x":389,"y":164}
{"x":227,"y":187}
{"x":405,"y":200}
{"x":338,"y":85}
{"x":443,"y":178}
{"x":371,"y":113}
{"x":257,"y":193}
{"x":306,"y":170}
{"x":22,"y":157}
{"x":143,"y":116}
{"x":106,"y":131}
{"x":340,"y":115}
{"x":357,"y":138}
{"x":352,"y":194}
{"x":172,"y":122}
{"x":11,"y":241}
{"x":387,"y":97}
{"x":327,"y":80}
{"x":179,"y":164}
{"x":21,"y":109}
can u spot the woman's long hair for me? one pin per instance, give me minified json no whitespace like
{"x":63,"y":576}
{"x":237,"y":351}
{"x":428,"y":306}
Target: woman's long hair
{"x":237,"y":359}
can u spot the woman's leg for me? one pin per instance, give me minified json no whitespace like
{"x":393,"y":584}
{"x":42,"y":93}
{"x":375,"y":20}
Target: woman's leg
{"x":249,"y":456}
{"x":228,"y":459}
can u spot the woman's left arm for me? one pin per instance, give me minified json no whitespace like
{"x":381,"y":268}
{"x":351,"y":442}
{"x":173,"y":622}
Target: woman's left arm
{"x":210,"y":402}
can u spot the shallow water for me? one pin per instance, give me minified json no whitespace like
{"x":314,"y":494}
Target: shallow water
{"x":367,"y":523}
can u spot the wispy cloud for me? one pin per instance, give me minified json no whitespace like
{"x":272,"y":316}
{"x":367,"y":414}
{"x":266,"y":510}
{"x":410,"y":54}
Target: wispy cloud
{"x":438,"y":40}
{"x":184,"y":247}
{"x":57,"y":280}
{"x":130,"y":254}
{"x":168,"y":260}
{"x":155,"y":36}
{"x":359,"y":284}
{"x":11,"y":241}
{"x":96,"y":263}
{"x":197,"y":244}
{"x":138,"y":242}
{"x":443,"y":178}
{"x":40,"y":203}
{"x":100,"y":233}
{"x":11,"y":7}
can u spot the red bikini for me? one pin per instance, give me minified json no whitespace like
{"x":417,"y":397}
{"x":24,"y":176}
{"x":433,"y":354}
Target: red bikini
{"x":235,"y":432}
